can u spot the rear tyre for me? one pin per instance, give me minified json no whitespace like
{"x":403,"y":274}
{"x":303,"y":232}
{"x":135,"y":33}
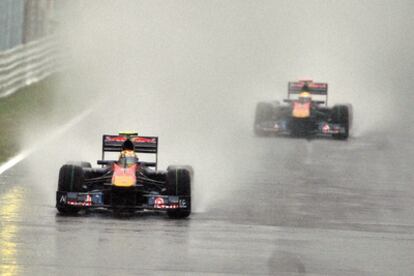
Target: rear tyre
{"x":179,"y":184}
{"x":341,"y":115}
{"x":70,"y":180}
{"x":264,"y":112}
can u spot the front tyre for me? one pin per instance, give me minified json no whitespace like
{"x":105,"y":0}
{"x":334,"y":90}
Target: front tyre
{"x":68,"y":210}
{"x":264,"y":112}
{"x":70,"y":180}
{"x":341,"y":115}
{"x":179,"y":184}
{"x":83,"y":164}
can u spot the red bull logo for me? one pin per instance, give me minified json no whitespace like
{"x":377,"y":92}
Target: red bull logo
{"x":124,"y":177}
{"x":159,"y":202}
{"x":301,"y":110}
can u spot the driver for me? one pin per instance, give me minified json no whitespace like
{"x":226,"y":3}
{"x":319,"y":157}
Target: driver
{"x":127,"y":157}
{"x":305,"y":97}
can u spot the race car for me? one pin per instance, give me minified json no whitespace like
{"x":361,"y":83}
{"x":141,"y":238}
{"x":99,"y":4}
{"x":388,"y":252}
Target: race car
{"x":303,"y":115}
{"x":125,"y":185}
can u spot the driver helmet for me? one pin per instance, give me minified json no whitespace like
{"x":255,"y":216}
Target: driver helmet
{"x":128,"y":158}
{"x":305,"y":97}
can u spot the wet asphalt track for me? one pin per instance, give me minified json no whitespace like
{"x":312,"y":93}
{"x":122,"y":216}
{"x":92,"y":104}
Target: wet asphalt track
{"x":300,"y":208}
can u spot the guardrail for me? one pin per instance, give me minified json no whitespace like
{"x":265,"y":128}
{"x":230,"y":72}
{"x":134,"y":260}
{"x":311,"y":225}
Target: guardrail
{"x":26,"y":64}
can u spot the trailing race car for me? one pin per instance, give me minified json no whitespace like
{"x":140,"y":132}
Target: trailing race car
{"x":303,"y":115}
{"x":127,"y":184}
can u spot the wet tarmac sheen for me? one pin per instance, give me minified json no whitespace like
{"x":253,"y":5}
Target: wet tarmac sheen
{"x":305,"y":208}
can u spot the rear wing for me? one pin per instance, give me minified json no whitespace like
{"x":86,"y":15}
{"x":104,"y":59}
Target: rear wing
{"x":314,"y":88}
{"x":142,"y":144}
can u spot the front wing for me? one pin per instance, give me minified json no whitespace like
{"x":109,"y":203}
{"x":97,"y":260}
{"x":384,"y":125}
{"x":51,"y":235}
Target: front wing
{"x":281,"y":127}
{"x":95,"y":199}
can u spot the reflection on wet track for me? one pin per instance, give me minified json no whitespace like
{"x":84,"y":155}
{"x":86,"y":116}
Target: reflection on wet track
{"x":10,"y":206}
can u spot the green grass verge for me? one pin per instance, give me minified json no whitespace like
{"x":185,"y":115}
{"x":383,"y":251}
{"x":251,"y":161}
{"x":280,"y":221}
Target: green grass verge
{"x":25,"y":107}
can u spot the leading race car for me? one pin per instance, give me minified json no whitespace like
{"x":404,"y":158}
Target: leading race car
{"x":304,"y":115}
{"x":125,"y":185}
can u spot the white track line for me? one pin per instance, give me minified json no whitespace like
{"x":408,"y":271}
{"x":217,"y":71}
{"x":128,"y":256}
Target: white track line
{"x":13,"y":161}
{"x":24,"y":154}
